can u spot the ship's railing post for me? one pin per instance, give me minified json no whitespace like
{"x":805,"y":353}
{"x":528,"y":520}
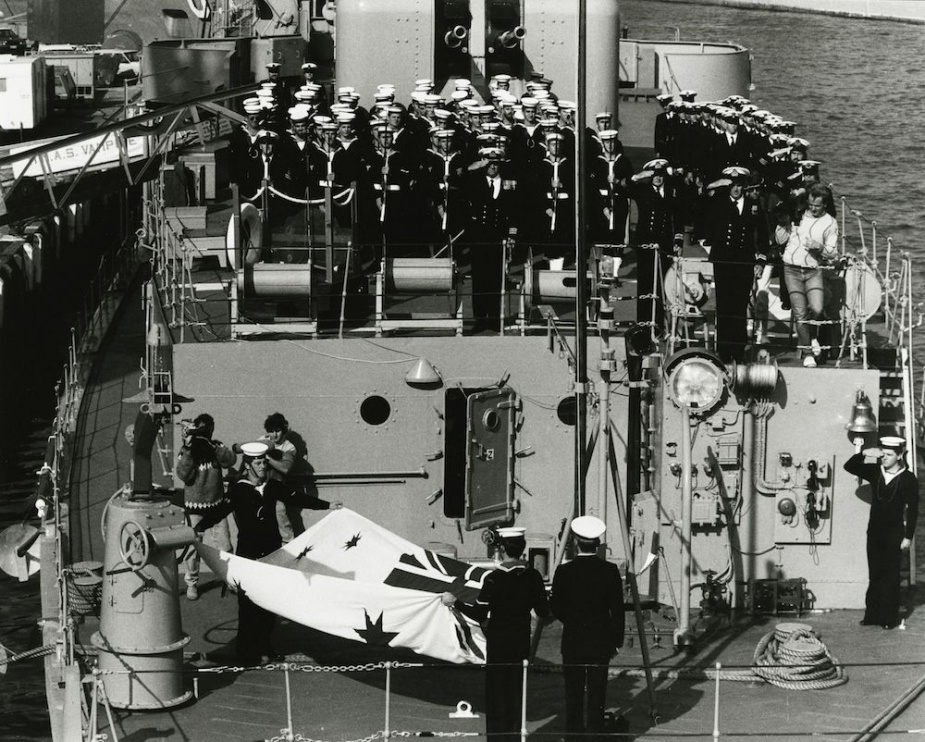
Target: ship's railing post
{"x":873,"y":240}
{"x":386,"y":733}
{"x":719,"y":667}
{"x":842,"y":235}
{"x":289,"y":733}
{"x":523,"y":704}
{"x":886,"y":273}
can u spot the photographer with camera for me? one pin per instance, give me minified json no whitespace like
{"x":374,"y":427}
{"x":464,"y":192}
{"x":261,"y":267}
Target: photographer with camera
{"x":199,"y":467}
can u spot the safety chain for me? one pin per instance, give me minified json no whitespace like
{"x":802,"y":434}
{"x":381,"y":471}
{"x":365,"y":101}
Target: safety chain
{"x":286,"y":736}
{"x":300,"y":667}
{"x":29,"y":654}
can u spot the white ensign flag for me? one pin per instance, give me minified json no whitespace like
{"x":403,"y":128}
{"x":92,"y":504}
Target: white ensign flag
{"x":351,"y":578}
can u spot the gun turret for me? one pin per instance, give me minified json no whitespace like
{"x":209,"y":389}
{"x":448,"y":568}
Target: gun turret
{"x":509,"y":39}
{"x":455,"y":37}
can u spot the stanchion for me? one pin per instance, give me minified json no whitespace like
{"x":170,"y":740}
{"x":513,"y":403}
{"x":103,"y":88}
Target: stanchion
{"x":523,"y":704}
{"x":719,"y":666}
{"x":289,"y":734}
{"x":386,"y":734}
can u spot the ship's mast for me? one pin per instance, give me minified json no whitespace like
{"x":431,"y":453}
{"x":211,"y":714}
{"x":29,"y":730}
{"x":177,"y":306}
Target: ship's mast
{"x":581,"y":263}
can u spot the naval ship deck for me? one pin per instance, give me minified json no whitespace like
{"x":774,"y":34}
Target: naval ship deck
{"x":337,"y":690}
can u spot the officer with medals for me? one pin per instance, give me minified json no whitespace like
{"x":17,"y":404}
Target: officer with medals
{"x":508,"y":595}
{"x":587,"y":597}
{"x":734,"y":226}
{"x":493,"y":207}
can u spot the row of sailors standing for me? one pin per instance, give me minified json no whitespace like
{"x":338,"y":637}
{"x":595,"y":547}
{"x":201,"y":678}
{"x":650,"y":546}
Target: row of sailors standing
{"x":763,"y":211}
{"x":443,"y":170}
{"x":416,"y":167}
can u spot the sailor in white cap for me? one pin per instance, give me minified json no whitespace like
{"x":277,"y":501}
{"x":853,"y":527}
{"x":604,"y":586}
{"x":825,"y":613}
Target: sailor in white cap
{"x":245,"y":167}
{"x":443,"y":167}
{"x":527,"y":137}
{"x":509,"y":593}
{"x":553,"y":205}
{"x":253,"y":499}
{"x":390,"y":178}
{"x":402,"y":138}
{"x":894,"y":510}
{"x":502,"y":81}
{"x":587,"y":597}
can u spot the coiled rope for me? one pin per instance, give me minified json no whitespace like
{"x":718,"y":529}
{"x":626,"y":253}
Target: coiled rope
{"x":793,"y":657}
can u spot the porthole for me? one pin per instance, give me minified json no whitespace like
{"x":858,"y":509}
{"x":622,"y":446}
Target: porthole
{"x":491,"y":420}
{"x":567,"y":411}
{"x":375,"y":410}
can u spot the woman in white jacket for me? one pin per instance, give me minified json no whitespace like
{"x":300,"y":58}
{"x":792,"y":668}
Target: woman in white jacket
{"x":812,"y":244}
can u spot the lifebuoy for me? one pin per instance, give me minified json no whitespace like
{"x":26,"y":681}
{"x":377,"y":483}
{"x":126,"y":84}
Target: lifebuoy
{"x":863,"y":292}
{"x":251,"y":236}
{"x":686,"y":293}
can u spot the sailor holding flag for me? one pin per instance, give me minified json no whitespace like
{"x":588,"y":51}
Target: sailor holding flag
{"x":253,"y":500}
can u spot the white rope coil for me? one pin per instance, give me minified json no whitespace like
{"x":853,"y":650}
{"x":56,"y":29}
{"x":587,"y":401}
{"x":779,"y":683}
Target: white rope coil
{"x":793,"y":657}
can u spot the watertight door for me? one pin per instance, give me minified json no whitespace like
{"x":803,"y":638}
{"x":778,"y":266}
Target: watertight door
{"x":490,"y":458}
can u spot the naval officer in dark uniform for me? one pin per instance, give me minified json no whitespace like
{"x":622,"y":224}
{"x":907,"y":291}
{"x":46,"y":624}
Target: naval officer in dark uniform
{"x":735,"y":227}
{"x":587,"y":597}
{"x":508,"y":595}
{"x":493,"y":204}
{"x":894,"y":510}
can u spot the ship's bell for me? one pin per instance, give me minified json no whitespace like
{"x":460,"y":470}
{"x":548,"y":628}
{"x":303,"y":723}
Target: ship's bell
{"x":862,"y":416}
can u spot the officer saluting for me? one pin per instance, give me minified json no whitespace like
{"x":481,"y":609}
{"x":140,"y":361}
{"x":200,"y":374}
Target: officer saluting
{"x":508,"y":595}
{"x":587,"y":597}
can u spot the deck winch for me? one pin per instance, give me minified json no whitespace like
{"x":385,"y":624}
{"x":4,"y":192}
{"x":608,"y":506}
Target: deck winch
{"x":141,"y":640}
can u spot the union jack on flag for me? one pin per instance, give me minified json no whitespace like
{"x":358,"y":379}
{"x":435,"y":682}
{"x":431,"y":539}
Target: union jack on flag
{"x":351,"y":578}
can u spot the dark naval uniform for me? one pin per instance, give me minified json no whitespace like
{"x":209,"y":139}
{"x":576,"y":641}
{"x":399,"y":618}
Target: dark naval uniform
{"x":890,"y":502}
{"x":660,"y":219}
{"x":492,"y":220}
{"x":508,"y":595}
{"x":587,"y":597}
{"x":736,"y":240}
{"x":258,"y":535}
